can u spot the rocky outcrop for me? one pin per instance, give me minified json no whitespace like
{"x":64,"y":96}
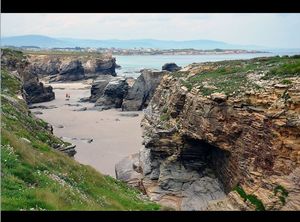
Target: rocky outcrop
{"x":105,"y":66}
{"x":171,"y":67}
{"x":132,"y":95}
{"x":37,"y":92}
{"x":224,"y":142}
{"x":140,"y":94}
{"x":98,"y":86}
{"x":70,"y":71}
{"x":33,"y":90}
{"x":109,"y":92}
{"x":72,"y":67}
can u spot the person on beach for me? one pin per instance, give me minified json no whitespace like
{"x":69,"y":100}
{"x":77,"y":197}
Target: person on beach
{"x":67,"y":96}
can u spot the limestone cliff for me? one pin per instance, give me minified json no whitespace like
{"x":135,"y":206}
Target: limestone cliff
{"x":224,"y":136}
{"x":70,"y":67}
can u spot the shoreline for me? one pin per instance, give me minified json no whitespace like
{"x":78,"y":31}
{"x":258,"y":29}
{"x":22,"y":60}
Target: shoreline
{"x":102,"y":138}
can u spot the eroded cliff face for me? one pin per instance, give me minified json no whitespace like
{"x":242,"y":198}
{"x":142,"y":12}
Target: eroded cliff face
{"x":71,"y":67}
{"x":224,"y":136}
{"x":33,"y":90}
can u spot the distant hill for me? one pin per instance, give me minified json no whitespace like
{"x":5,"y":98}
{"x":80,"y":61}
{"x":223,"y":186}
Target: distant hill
{"x":49,"y":42}
{"x":34,"y":40}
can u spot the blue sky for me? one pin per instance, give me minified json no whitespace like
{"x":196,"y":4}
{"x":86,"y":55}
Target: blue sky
{"x":272,"y":30}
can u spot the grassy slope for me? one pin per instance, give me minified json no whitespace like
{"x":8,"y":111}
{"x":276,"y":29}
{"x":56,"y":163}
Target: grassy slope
{"x":230,"y":77}
{"x":37,"y":177}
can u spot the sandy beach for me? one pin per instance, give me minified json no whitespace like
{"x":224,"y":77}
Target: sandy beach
{"x":113,"y":136}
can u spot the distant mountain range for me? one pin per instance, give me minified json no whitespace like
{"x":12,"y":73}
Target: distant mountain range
{"x":50,"y":42}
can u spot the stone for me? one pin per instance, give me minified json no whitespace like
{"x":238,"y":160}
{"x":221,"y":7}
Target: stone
{"x":129,"y":114}
{"x":113,"y":94}
{"x":38,"y":112}
{"x":218,"y":97}
{"x":98,"y":86}
{"x":88,"y":140}
{"x":171,"y":67}
{"x":125,"y":171}
{"x":81,"y":109}
{"x":70,"y":71}
{"x":60,"y":126}
{"x":26,"y":140}
{"x":84,"y":99}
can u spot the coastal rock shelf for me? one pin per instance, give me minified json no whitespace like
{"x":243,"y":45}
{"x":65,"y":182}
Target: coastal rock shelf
{"x":223,"y":136}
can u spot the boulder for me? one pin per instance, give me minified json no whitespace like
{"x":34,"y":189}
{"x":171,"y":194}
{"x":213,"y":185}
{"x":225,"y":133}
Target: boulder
{"x":125,"y":170}
{"x":218,"y":97}
{"x":171,"y":67}
{"x":70,"y":71}
{"x":113,"y":94}
{"x":129,"y":114}
{"x":140,"y":94}
{"x":98,"y":86}
{"x":36,"y":92}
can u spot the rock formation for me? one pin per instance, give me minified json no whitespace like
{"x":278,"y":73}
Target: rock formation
{"x":140,"y":94}
{"x":223,"y":136}
{"x":132,"y":95}
{"x":108,"y":92}
{"x":171,"y":67}
{"x":72,"y":67}
{"x":17,"y":63}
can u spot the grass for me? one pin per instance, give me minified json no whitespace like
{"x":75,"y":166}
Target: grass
{"x":283,"y":193}
{"x":259,"y":206}
{"x":35,"y":176}
{"x":164,"y":117}
{"x":286,"y":82}
{"x":9,"y":84}
{"x":231,"y":77}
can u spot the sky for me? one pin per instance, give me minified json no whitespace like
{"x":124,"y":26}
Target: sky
{"x":270,"y":30}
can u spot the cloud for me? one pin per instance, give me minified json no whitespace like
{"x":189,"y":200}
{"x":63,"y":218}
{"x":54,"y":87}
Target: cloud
{"x":277,"y":30}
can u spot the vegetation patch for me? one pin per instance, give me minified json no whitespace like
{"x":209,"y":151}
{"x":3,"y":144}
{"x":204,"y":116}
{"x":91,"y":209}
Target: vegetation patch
{"x":231,"y":77}
{"x":165,"y":117}
{"x":286,"y":82}
{"x":281,"y":193}
{"x":259,"y":206}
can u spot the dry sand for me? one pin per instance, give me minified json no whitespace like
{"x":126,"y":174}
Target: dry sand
{"x":114,"y":136}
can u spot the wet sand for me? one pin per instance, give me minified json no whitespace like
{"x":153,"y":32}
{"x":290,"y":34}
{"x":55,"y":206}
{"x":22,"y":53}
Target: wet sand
{"x":114,"y":136}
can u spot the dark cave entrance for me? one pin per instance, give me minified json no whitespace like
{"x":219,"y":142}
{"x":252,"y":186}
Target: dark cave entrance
{"x":201,"y":156}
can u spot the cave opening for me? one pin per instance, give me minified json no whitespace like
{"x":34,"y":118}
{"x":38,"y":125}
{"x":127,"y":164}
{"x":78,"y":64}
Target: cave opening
{"x":207,"y":159}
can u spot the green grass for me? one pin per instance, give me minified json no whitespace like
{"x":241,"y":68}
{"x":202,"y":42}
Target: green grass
{"x":259,"y":206}
{"x":9,"y":84}
{"x":231,"y":77}
{"x":283,"y":193}
{"x":289,"y":69}
{"x":164,"y":117}
{"x":34,"y":176}
{"x":286,"y":82}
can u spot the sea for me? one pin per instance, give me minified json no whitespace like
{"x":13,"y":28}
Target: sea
{"x":132,"y":64}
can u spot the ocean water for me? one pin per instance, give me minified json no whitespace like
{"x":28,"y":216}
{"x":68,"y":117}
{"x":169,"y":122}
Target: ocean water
{"x":131,"y":65}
